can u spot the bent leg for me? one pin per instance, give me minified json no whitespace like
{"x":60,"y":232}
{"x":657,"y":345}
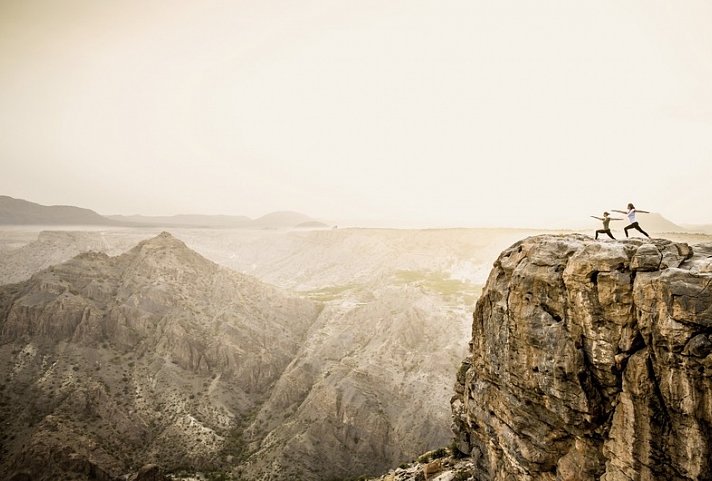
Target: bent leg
{"x":628,"y":227}
{"x":637,"y":227}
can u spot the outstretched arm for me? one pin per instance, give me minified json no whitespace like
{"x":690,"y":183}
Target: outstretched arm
{"x":621,"y":211}
{"x":615,"y":218}
{"x":599,"y":218}
{"x":642,"y":211}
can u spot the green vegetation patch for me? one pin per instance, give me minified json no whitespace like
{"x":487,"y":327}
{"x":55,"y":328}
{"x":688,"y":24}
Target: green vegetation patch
{"x":331,"y":293}
{"x":440,"y":282}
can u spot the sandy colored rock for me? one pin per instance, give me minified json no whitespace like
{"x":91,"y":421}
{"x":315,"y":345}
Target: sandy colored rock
{"x":646,"y":258}
{"x":590,"y":361}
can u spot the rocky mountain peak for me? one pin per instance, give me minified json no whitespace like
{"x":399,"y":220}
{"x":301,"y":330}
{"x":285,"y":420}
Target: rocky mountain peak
{"x":154,"y":355}
{"x":590,"y":360}
{"x":128,"y":299}
{"x":164,"y":239}
{"x":166,"y":258}
{"x":161,"y":244}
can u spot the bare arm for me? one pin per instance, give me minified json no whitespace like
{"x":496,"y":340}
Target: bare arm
{"x":621,"y":211}
{"x":615,"y":218}
{"x":642,"y":211}
{"x":599,"y":218}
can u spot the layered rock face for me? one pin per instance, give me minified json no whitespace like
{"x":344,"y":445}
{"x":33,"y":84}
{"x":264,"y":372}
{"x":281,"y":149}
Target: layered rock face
{"x":590,"y":361}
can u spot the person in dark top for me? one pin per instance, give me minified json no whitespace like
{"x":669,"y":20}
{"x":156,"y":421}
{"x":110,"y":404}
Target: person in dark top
{"x":606,"y":221}
{"x":631,"y":218}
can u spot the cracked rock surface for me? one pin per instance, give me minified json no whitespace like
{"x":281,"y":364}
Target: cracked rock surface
{"x":590,"y":360}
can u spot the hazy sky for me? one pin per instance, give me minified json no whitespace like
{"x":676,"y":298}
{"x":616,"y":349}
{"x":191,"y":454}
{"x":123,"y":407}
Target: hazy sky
{"x":403,"y":112}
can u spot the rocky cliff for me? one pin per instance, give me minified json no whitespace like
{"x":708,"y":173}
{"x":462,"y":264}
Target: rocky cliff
{"x":590,"y":360}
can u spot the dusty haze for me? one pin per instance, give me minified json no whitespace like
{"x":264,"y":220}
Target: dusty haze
{"x":401,"y":113}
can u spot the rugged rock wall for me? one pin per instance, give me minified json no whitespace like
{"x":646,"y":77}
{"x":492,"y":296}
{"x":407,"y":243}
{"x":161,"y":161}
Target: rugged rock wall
{"x":590,"y":360}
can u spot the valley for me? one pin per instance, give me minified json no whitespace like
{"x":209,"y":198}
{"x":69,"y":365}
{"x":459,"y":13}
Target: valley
{"x":180,"y":352}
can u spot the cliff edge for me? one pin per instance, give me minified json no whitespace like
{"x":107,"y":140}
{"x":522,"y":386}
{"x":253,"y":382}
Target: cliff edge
{"x":590,"y":360}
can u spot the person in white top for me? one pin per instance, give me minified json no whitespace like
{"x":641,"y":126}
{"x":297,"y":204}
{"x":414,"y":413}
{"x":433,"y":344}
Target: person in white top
{"x":631,"y":218}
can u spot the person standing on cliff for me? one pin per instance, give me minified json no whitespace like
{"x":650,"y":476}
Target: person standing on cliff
{"x":631,"y":218}
{"x":606,"y":221}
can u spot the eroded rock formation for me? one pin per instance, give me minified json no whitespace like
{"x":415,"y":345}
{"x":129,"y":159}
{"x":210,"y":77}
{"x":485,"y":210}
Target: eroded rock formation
{"x":590,"y":361}
{"x":157,"y":355}
{"x":161,"y":356}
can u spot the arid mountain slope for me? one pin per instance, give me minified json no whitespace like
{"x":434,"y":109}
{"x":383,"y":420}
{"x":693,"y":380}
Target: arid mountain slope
{"x":155,"y":355}
{"x":342,"y":258}
{"x":299,"y":260}
{"x":203,"y":368}
{"x":18,"y":211}
{"x":365,"y":392}
{"x":54,"y":247}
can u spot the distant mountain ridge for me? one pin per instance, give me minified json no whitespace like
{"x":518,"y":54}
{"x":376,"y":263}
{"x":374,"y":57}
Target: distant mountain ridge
{"x":22,"y":212}
{"x":185,"y":220}
{"x":275,"y":220}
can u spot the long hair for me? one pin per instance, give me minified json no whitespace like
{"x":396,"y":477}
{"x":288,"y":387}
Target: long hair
{"x":630,"y":206}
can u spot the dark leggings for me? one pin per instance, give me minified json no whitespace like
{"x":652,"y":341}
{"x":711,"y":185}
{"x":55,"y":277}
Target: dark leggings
{"x":635,"y":226}
{"x":604,"y":231}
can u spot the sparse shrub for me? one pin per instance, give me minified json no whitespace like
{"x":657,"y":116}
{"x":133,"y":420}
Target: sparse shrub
{"x":462,"y":371}
{"x":425,"y":458}
{"x":439,"y":453}
{"x":217,"y":476}
{"x":455,"y":452}
{"x":461,"y":475}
